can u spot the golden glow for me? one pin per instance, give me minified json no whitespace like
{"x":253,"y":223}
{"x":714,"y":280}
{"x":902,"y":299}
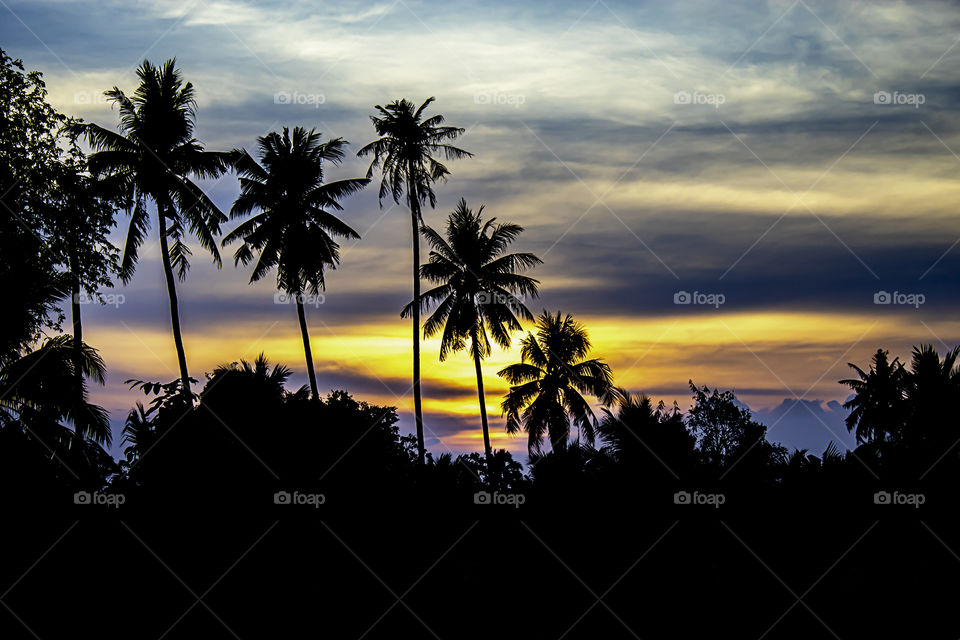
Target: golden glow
{"x":764,"y":357}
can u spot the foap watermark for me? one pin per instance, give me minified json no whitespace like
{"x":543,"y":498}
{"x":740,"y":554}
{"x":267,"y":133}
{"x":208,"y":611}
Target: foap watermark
{"x":300,"y":499}
{"x":297,"y":98}
{"x":90,"y":97}
{"x":911,"y":299}
{"x":900,"y":499}
{"x":306,"y":299}
{"x":712,"y":99}
{"x":511,"y":499}
{"x":99,"y":499}
{"x":698,"y":297}
{"x":714,"y":500}
{"x":910,"y":99}
{"x":111,"y":299}
{"x":494,"y":297}
{"x":495,"y":97}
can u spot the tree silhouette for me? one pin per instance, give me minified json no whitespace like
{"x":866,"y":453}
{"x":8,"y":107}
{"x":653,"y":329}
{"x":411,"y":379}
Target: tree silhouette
{"x":644,"y":437}
{"x":478,"y":289}
{"x":78,"y":225}
{"x":931,"y":389}
{"x":31,"y":150}
{"x":877,"y":407}
{"x":404,"y":153}
{"x":43,"y":383}
{"x":545,"y":396}
{"x":153,"y":158}
{"x":294,"y":229}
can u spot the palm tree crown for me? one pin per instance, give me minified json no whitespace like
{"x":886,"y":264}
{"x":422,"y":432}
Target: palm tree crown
{"x":294,"y":228}
{"x":548,"y":383}
{"x":478,"y":286}
{"x":405,"y":151}
{"x":153,"y":158}
{"x":876,"y":409}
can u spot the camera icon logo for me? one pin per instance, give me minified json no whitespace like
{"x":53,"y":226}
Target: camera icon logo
{"x":881,"y":497}
{"x":282,"y":97}
{"x":882,"y":97}
{"x":81,"y":497}
{"x":481,"y":98}
{"x":481,"y":497}
{"x":681,"y":497}
{"x":281,"y":497}
{"x":882,"y":297}
{"x":682,"y":97}
{"x":682,"y":297}
{"x":282,"y":298}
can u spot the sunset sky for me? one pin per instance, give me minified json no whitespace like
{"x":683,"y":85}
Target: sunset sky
{"x":794,"y":157}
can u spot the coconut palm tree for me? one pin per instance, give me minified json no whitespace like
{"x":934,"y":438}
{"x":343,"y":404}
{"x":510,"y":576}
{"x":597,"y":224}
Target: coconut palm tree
{"x":404,"y":153}
{"x":294,"y":227}
{"x":877,"y":408}
{"x":153,"y":158}
{"x":78,"y":226}
{"x":477,"y":290}
{"x":43,"y":383}
{"x":548,"y":383}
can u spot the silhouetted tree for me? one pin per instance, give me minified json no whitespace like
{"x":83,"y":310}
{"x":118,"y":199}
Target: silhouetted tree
{"x":877,"y":407}
{"x":153,"y":158}
{"x":31,"y":152}
{"x":478,"y":289}
{"x":644,"y":437}
{"x":38,"y":393}
{"x":932,"y":391}
{"x":404,"y":153}
{"x":294,"y":228}
{"x":545,"y":396}
{"x":728,"y":436}
{"x":78,"y":225}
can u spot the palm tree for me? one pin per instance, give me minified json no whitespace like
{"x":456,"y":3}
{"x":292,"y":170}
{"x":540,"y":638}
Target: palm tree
{"x":877,"y":407}
{"x":43,"y":383}
{"x":294,"y":228}
{"x":477,"y":289}
{"x":545,"y":396}
{"x":257,"y":377}
{"x":639,"y":434}
{"x":152,"y":159}
{"x":78,"y":226}
{"x":404,"y":153}
{"x":931,"y":389}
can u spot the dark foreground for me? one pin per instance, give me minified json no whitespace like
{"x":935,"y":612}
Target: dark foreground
{"x":226,"y":565}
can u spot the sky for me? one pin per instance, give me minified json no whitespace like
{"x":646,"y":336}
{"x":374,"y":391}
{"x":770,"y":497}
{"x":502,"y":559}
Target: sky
{"x":787,"y":168}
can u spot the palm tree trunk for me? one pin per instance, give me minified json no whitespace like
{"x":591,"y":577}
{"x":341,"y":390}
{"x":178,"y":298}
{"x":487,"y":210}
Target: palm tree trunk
{"x":483,"y":410}
{"x":174,"y":307}
{"x":306,"y":348}
{"x":78,"y":430}
{"x":415,"y":224}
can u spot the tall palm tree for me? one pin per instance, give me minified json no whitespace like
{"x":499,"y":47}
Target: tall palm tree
{"x":548,"y":383}
{"x":294,"y":228}
{"x":477,"y":288}
{"x":404,"y":153}
{"x":153,"y":158}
